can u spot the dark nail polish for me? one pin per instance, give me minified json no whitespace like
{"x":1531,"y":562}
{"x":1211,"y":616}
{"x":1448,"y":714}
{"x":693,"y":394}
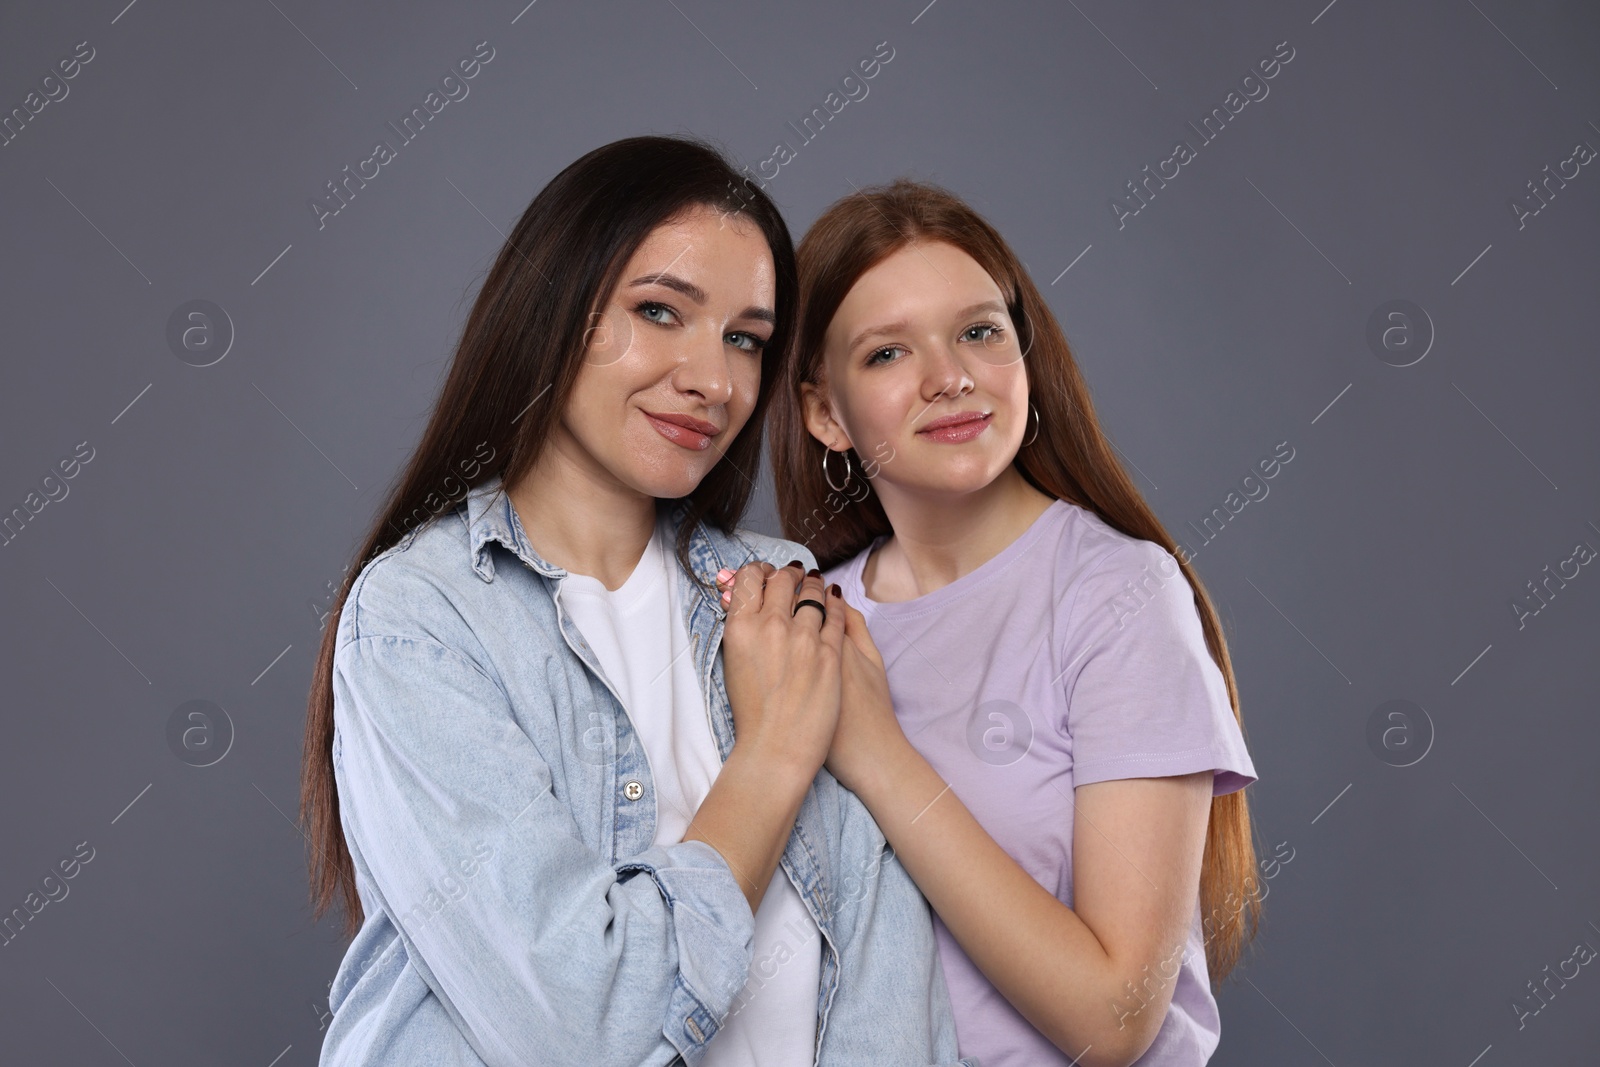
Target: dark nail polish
{"x":813,"y":573}
{"x":795,"y":563}
{"x":835,"y":590}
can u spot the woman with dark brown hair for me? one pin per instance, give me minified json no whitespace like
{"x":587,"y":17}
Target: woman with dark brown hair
{"x":1039,"y":708}
{"x":523,"y":781}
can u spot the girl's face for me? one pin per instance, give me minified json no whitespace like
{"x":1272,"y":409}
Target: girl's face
{"x":923,"y":375}
{"x":672,"y":365}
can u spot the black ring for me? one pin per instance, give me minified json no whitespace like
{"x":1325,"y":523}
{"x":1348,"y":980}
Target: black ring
{"x":819,"y":605}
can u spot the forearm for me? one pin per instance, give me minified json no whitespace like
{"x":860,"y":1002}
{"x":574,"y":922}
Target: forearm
{"x":1035,"y":950}
{"x":747,"y":816}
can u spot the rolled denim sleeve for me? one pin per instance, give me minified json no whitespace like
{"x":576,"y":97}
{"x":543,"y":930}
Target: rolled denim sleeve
{"x":540,"y":950}
{"x":892,"y":1005}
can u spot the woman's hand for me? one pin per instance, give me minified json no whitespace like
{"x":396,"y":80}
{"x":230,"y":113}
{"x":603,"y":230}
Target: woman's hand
{"x":782,"y":666}
{"x":866,"y":725}
{"x":781,"y":670}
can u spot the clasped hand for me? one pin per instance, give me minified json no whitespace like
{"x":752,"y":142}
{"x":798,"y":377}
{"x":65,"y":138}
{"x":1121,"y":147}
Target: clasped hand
{"x":807,"y":687}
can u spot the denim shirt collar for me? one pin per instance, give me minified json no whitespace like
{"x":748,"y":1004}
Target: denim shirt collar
{"x":492,"y":519}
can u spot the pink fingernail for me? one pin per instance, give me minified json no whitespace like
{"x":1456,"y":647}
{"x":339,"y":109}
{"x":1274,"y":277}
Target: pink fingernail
{"x":724,"y":574}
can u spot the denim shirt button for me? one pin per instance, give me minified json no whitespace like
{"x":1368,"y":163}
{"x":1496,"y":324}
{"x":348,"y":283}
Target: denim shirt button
{"x":633,"y":790}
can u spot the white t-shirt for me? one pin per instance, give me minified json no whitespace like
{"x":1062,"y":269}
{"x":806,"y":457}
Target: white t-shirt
{"x":773,"y":1020}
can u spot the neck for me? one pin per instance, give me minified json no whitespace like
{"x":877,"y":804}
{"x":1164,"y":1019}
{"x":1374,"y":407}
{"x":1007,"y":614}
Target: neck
{"x":580,"y":517}
{"x":939,"y":538}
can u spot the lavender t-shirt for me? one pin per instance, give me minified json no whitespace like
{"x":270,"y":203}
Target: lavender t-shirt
{"x":1073,"y":656}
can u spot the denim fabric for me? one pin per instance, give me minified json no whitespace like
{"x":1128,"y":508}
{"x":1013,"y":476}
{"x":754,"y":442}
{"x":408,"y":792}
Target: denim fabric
{"x":500,"y":812}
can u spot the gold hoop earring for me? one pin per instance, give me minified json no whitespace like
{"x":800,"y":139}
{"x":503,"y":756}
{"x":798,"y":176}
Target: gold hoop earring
{"x":848,"y":473}
{"x":1035,"y":412}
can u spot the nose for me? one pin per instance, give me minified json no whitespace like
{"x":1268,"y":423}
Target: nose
{"x":945,"y":375}
{"x":704,"y":372}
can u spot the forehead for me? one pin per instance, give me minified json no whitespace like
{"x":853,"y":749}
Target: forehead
{"x":719,"y":251}
{"x":925,"y":278}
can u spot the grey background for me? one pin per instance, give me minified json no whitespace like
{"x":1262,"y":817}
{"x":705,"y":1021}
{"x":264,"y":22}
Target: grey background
{"x":192,"y":553}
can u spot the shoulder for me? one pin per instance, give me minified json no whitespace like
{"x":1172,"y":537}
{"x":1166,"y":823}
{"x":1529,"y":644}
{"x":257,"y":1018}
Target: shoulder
{"x":745,"y":546}
{"x":1096,"y":563}
{"x":1088,"y":545}
{"x":420,"y":587}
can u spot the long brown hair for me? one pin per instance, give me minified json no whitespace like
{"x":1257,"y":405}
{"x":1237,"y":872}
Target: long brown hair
{"x":513,"y":370}
{"x":1070,"y":459}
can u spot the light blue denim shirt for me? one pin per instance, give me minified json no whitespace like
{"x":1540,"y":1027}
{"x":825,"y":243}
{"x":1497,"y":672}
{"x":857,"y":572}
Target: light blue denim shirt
{"x":501,"y":815}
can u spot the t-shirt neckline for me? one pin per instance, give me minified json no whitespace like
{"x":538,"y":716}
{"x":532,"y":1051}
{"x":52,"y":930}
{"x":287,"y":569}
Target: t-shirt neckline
{"x":963,"y":585}
{"x":638,"y":585}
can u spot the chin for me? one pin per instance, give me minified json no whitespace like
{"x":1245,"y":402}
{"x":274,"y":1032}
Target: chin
{"x":670,"y":483}
{"x":656,"y":467}
{"x":678,"y":489}
{"x":956,"y":475}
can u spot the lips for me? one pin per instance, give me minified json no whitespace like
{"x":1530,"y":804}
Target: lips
{"x":961,"y":426}
{"x":681,"y":429}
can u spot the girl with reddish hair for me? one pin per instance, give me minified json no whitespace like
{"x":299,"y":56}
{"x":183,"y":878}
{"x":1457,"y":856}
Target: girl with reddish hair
{"x":1039,"y":708}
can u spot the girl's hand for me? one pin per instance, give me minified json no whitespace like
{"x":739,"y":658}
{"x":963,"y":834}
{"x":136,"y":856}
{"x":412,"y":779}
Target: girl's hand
{"x":866,"y":727}
{"x":867,"y":730}
{"x":782,"y":667}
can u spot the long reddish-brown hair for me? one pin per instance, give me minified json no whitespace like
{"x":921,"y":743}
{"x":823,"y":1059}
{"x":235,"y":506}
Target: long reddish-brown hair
{"x":1069,"y":459}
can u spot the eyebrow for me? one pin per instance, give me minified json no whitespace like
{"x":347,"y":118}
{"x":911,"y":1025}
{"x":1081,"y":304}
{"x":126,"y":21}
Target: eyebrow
{"x":698,"y":295}
{"x":895,"y":327}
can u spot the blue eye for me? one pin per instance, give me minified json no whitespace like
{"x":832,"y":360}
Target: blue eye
{"x":872,"y":359}
{"x":646,"y":307}
{"x":991,"y":327}
{"x":749,"y":342}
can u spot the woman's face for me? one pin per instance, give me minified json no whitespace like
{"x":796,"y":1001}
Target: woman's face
{"x":924,"y":377}
{"x":672,"y":365}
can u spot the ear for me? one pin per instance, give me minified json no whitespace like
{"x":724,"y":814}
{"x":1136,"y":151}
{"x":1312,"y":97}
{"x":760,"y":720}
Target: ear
{"x":819,"y":417}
